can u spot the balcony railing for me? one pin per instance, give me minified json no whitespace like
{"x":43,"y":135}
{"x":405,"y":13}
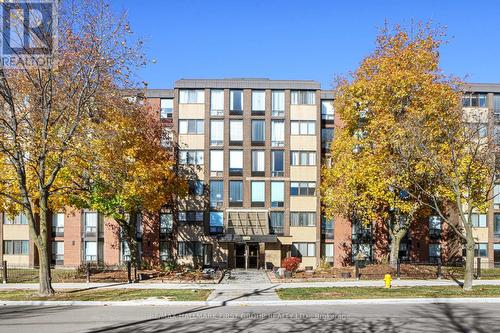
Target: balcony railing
{"x":276,"y":230}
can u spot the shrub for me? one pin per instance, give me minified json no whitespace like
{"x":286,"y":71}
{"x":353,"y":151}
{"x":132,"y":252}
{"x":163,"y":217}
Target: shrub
{"x":291,"y":263}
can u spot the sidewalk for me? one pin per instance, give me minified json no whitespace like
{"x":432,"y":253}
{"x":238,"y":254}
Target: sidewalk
{"x":246,"y":286}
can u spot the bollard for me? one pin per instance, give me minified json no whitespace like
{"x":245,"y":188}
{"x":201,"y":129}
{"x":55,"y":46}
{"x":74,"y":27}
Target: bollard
{"x":4,"y":275}
{"x":439,"y":272}
{"x":129,"y":271}
{"x":88,"y":272}
{"x":478,"y":268}
{"x":398,"y":269}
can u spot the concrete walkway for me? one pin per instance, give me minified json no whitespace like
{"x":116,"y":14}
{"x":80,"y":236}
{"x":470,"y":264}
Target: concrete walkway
{"x":247,"y":285}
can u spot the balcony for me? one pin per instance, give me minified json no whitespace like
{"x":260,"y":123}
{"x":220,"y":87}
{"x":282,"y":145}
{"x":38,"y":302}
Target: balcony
{"x":57,"y":231}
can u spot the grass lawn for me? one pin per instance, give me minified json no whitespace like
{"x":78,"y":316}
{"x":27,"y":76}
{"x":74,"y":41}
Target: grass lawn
{"x":107,"y":295}
{"x":378,"y":292}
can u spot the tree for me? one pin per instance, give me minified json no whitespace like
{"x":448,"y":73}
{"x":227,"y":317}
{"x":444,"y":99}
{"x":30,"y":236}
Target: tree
{"x":400,"y":81}
{"x":132,"y":173}
{"x":48,"y":111}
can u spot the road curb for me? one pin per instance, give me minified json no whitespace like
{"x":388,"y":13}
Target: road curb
{"x":468,"y":300}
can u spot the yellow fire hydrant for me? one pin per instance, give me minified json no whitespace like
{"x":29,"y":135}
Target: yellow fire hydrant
{"x":387,"y":280}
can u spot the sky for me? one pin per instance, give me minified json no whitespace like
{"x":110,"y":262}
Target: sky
{"x":310,"y":40}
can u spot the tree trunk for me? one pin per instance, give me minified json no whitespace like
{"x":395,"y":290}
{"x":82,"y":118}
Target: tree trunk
{"x":394,"y":254}
{"x":45,"y":283}
{"x":469,"y":262}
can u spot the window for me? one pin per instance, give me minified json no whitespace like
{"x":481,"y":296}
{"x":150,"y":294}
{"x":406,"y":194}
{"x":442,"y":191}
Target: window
{"x":434,"y":252}
{"x":496,"y":194}
{"x":278,"y":107}
{"x":326,"y":137}
{"x":302,"y":127}
{"x":478,"y":220}
{"x":277,"y":133}
{"x":191,"y":126}
{"x":481,"y":250}
{"x":236,"y":162}
{"x":57,"y":251}
{"x":258,"y":162}
{"x":216,"y":222}
{"x":216,"y":193}
{"x":18,"y":247}
{"x":277,"y":163}
{"x":166,"y":224}
{"x":58,"y":224}
{"x":216,"y":132}
{"x":166,"y":137}
{"x":191,"y":157}
{"x":303,"y":97}
{"x":236,"y":101}
{"x":303,"y":249}
{"x":496,"y":103}
{"x":190,"y":249}
{"x":191,"y":217}
{"x":258,"y":101}
{"x":236,"y":193}
{"x":236,"y":132}
{"x":258,"y":132}
{"x":302,"y":188}
{"x":496,"y":226}
{"x":90,"y":222}
{"x":327,"y":250}
{"x":216,"y":162}
{"x":302,"y":219}
{"x":302,"y":158}
{"x":166,"y":108}
{"x":90,"y":251}
{"x":327,"y":110}
{"x":327,"y":228}
{"x":435,"y":226}
{"x":196,"y":187}
{"x":277,"y":194}
{"x":258,"y":193}
{"x":192,"y":97}
{"x":217,"y":102}
{"x":277,"y":223}
{"x":165,"y":253}
{"x":18,"y":219}
{"x":474,"y":100}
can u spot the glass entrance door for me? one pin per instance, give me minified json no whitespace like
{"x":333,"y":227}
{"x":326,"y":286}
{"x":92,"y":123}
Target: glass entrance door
{"x":239,"y":255}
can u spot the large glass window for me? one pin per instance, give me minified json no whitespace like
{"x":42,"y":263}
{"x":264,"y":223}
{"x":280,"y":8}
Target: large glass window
{"x":165,"y":253}
{"x":481,"y":250}
{"x":302,"y":188}
{"x":217,"y":102}
{"x":434,"y":226}
{"x":496,"y":103}
{"x":327,"y":227}
{"x":496,"y":227}
{"x":166,"y":223}
{"x":434,"y":252}
{"x":277,"y":194}
{"x":478,"y":220}
{"x":303,"y":97}
{"x":302,"y":219}
{"x":90,"y":222}
{"x":303,"y":158}
{"x":191,"y":126}
{"x":195,"y":216}
{"x":258,"y":193}
{"x":58,"y":224}
{"x":258,"y":101}
{"x":236,"y":101}
{"x":475,"y":100}
{"x":18,"y":219}
{"x":236,"y":132}
{"x":278,"y":103}
{"x":327,"y":110}
{"x":216,"y":193}
{"x":186,"y":249}
{"x":216,"y":222}
{"x":236,"y":162}
{"x":17,"y":247}
{"x":236,"y":193}
{"x":277,"y":133}
{"x":327,"y":249}
{"x":196,"y":187}
{"x":303,"y":249}
{"x":258,"y":131}
{"x":258,"y":162}
{"x":302,"y":127}
{"x":216,"y":163}
{"x":166,"y":108}
{"x":277,"y":163}
{"x":496,"y":194}
{"x":326,"y":137}
{"x":216,"y":132}
{"x":192,"y":96}
{"x":191,"y":157}
{"x":57,"y":252}
{"x":90,"y":251}
{"x":277,"y":223}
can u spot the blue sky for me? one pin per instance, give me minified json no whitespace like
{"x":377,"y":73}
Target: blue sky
{"x":291,"y":39}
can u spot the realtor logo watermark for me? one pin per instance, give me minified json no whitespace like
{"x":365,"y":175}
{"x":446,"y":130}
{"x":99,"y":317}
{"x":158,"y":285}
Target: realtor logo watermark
{"x":29,"y":30}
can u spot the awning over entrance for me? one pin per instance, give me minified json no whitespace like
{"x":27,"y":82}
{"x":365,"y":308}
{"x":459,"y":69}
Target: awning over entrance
{"x":231,"y":238}
{"x":247,"y":222}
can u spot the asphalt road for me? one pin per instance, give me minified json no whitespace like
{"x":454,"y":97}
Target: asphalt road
{"x":341,"y":318}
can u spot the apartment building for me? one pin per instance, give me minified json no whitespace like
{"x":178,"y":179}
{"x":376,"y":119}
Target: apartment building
{"x":253,"y":151}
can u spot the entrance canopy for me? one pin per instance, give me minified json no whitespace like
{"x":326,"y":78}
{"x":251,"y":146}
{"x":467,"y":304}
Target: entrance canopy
{"x":247,"y":222}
